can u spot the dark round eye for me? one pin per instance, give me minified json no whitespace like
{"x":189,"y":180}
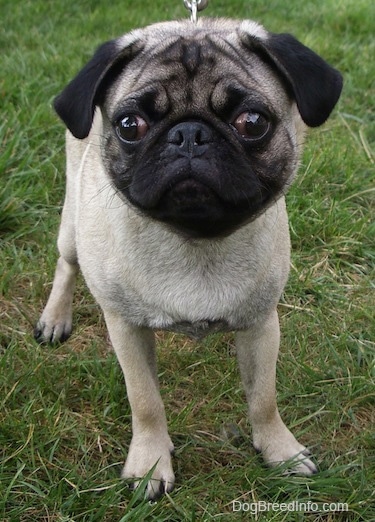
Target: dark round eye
{"x":131,"y":128}
{"x":251,"y":125}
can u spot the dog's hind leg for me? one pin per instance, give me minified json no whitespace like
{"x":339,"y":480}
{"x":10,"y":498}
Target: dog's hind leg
{"x":257,"y":351}
{"x":55,"y":323}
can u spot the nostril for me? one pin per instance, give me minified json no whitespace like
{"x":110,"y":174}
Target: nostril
{"x":201,"y":135}
{"x":176,"y":137}
{"x":179,"y":138}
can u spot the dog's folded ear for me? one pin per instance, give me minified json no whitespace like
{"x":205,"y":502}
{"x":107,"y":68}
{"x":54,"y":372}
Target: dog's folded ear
{"x":311,"y":81}
{"x":76,"y":103}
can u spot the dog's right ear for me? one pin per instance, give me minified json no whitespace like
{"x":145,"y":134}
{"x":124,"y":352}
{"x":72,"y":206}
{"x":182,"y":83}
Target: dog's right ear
{"x":76,"y":103}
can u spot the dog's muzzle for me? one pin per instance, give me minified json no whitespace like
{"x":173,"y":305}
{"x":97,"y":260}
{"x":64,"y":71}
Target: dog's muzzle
{"x":189,"y":192}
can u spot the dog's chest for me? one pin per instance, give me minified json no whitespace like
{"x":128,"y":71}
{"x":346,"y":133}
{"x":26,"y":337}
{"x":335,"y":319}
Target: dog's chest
{"x":163,"y":287}
{"x":184,"y":304}
{"x":155,"y":278}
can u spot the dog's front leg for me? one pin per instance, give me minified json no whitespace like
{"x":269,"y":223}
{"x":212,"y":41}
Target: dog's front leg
{"x":257,"y":351}
{"x":151,"y":445}
{"x":55,"y":323}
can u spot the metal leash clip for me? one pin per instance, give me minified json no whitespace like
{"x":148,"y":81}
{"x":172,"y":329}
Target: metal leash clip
{"x":194,"y":6}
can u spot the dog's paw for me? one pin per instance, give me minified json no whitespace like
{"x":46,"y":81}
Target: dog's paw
{"x":280,"y":447}
{"x":146,"y":454}
{"x":53,"y":328}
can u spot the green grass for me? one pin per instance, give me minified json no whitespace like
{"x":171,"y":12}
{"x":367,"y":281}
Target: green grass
{"x":65,"y":420}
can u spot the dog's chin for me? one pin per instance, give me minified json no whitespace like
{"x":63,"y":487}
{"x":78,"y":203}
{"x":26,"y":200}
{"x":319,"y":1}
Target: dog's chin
{"x":195,"y":210}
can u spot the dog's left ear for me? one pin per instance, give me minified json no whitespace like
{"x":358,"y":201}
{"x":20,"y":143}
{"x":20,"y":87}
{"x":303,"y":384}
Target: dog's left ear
{"x":76,"y":103}
{"x":313,"y":83}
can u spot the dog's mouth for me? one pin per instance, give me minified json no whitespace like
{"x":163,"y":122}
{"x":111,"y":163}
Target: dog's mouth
{"x":189,"y":197}
{"x":195,"y":209}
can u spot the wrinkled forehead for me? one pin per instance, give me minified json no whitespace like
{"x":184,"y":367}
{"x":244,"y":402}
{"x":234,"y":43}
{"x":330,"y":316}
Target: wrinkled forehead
{"x":191,"y":73}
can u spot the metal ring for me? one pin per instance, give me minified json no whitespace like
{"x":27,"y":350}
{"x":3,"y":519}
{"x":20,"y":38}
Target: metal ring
{"x":201,"y":4}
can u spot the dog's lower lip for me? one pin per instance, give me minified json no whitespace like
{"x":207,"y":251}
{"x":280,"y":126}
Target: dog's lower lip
{"x":190,"y":192}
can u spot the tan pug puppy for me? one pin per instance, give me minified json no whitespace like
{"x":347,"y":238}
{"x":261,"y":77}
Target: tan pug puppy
{"x":182,"y":142}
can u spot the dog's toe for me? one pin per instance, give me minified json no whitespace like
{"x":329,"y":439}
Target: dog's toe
{"x":150,"y":459}
{"x":281,"y":448}
{"x":156,"y":489}
{"x":301,"y":465}
{"x":46,"y":332}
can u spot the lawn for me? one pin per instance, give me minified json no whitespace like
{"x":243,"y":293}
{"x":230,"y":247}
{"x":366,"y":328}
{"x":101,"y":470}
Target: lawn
{"x":65,"y":420}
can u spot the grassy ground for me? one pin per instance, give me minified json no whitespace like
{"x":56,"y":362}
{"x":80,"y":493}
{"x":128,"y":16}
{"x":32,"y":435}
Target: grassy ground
{"x":65,"y":420}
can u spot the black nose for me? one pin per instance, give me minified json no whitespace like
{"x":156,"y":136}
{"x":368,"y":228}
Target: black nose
{"x":190,"y":138}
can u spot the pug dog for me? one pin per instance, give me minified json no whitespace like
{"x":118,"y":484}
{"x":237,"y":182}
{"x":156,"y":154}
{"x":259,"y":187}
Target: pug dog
{"x":182,"y":142}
